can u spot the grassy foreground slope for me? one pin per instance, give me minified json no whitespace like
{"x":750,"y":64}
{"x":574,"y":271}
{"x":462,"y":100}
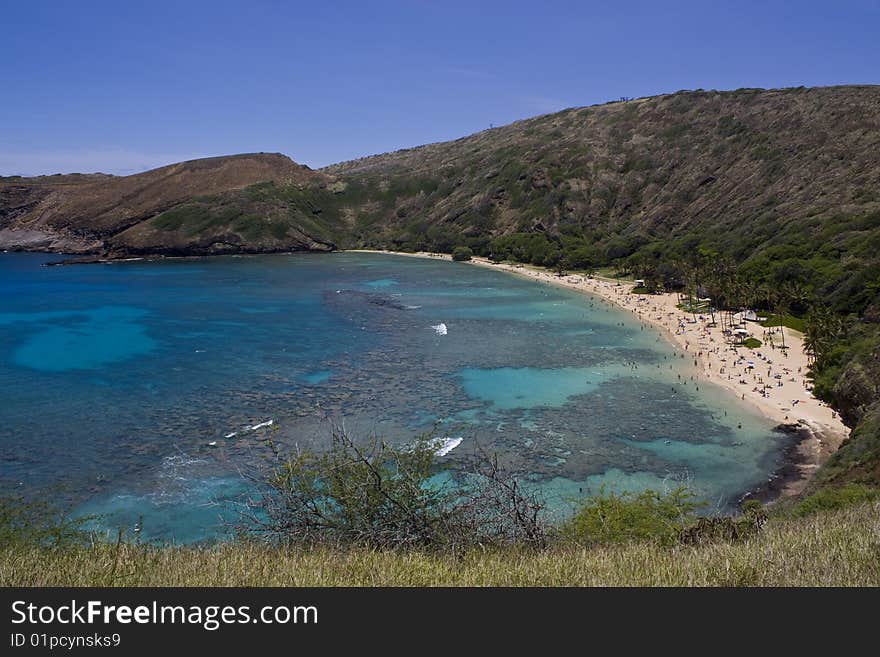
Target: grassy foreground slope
{"x":834,"y":548}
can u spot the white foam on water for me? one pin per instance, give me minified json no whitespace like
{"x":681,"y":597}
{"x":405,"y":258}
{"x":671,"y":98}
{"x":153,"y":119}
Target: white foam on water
{"x":440,"y":329}
{"x":447,"y":444}
{"x":267,"y":423}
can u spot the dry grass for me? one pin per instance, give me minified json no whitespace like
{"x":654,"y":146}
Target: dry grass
{"x":840,"y":548}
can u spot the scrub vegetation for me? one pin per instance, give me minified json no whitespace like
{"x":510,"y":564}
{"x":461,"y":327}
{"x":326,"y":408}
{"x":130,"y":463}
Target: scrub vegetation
{"x":823,"y":548}
{"x":369,"y":515}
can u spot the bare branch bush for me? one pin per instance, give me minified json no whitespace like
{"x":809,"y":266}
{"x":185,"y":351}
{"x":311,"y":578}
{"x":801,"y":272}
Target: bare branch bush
{"x":381,"y":496}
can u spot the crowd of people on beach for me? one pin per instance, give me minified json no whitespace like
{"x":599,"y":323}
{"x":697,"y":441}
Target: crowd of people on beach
{"x":774,"y":376}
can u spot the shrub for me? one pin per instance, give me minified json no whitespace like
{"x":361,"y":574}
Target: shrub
{"x":726,"y":528}
{"x":181,"y":215}
{"x":534,"y":248}
{"x":383,"y":497}
{"x":35,"y":523}
{"x":828,"y":499}
{"x":648,"y":516}
{"x":462,"y":254}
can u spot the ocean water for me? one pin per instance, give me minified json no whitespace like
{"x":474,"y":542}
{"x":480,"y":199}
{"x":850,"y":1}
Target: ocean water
{"x":117,"y":378}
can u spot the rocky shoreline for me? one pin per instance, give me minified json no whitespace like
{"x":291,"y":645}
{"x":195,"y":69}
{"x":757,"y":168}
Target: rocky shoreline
{"x":108,"y":259}
{"x":791,"y":477}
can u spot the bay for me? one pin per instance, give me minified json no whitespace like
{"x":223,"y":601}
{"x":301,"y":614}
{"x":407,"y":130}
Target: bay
{"x":116,"y":378}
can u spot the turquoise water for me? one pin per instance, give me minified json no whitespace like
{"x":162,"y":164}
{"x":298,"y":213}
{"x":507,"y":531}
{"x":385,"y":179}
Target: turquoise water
{"x":513,"y":388}
{"x":84,"y":339}
{"x":117,"y":378}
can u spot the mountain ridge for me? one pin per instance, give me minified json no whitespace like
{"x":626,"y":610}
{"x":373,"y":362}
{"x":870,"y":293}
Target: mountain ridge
{"x":92,"y":213}
{"x":631,"y":171}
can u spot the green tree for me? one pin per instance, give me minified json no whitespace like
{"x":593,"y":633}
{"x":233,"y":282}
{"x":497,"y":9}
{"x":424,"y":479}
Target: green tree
{"x":381,"y":496}
{"x":646,"y":516}
{"x":462,"y":254}
{"x":822,"y":328}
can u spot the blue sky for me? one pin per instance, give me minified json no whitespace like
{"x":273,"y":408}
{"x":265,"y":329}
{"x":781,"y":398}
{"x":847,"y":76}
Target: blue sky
{"x":121,"y":87}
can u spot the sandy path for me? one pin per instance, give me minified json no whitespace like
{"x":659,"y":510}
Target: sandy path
{"x":769,"y":379}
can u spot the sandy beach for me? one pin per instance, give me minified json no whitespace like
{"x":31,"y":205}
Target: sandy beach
{"x":770,"y":379}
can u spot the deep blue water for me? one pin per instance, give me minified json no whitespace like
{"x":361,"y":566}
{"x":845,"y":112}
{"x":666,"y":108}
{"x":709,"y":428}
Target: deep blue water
{"x":115,"y":379}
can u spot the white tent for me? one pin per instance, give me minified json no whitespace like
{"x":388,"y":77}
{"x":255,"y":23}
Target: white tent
{"x":746,"y":316}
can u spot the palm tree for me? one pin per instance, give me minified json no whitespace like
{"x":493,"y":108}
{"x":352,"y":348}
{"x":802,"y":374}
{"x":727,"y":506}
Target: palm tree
{"x":734,"y":299}
{"x":689,"y":274}
{"x":781,"y":310}
{"x":724,"y":292}
{"x":775,"y":306}
{"x":751,"y":294}
{"x":798,"y":296}
{"x":811,"y":344}
{"x":718,"y":274}
{"x":822,"y":328}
